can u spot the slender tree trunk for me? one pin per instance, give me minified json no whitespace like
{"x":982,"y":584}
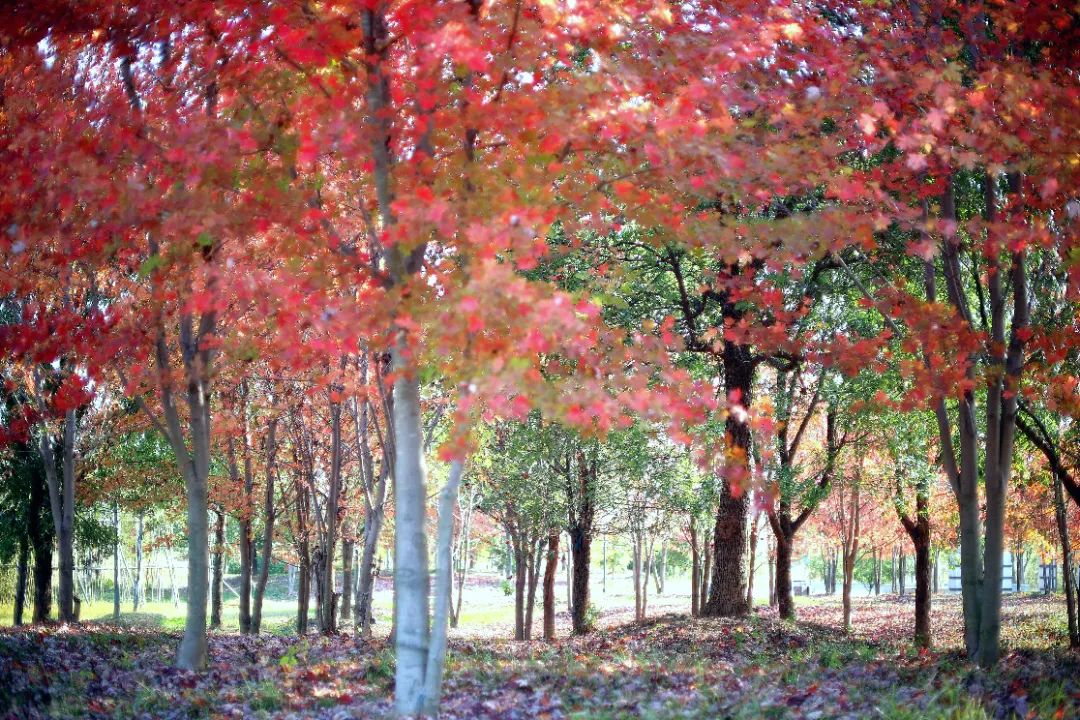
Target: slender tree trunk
{"x":465,"y":553}
{"x":366,"y":588}
{"x":116,"y":562}
{"x":706,"y":577}
{"x":750,"y":565}
{"x":61,"y":486}
{"x":922,"y":589}
{"x":895,"y":577}
{"x":604,"y":567}
{"x":638,"y":613}
{"x":443,"y":586}
{"x":303,"y":595}
{"x":136,"y":587}
{"x":327,"y":621}
{"x":695,"y":571}
{"x":521,"y":572}
{"x":535,"y":551}
{"x":549,"y":585}
{"x":783,"y":577}
{"x":1069,"y":578}
{"x":218,"y":572}
{"x":657,"y":564}
{"x":246,"y":511}
{"x":849,"y":575}
{"x":269,"y":518}
{"x":772,"y":573}
{"x":568,"y":566}
{"x":20,"y":580}
{"x":346,"y":578}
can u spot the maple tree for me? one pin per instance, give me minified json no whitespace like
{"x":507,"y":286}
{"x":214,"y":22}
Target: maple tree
{"x":318,"y":246}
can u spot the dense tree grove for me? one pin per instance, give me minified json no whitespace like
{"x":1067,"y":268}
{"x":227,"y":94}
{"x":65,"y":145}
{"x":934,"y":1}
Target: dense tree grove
{"x":336,"y":291}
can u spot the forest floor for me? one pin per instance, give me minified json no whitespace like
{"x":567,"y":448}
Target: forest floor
{"x":672,"y":666}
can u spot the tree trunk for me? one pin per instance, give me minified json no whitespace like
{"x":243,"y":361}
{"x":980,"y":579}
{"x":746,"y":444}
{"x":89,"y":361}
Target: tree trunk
{"x":327,"y":621}
{"x":1071,"y":609}
{"x":849,"y":575}
{"x":750,"y":565}
{"x":346,"y":578}
{"x":568,"y":566}
{"x":303,"y":595}
{"x":772,"y":573}
{"x":465,"y":557}
{"x":61,"y":488}
{"x":116,"y":562}
{"x":20,"y":580}
{"x":269,"y":517}
{"x":706,"y":576}
{"x":695,"y":571}
{"x":246,"y":511}
{"x":411,"y":583}
{"x":136,"y":587}
{"x":638,"y":611}
{"x":218,"y":573}
{"x":443,"y":586}
{"x":549,"y":585}
{"x":727,"y":585}
{"x":895,"y":579}
{"x":581,"y":552}
{"x":535,"y":550}
{"x":521,"y":571}
{"x":603,"y":566}
{"x":783,"y":577}
{"x":902,"y":565}
{"x":922,"y":588}
{"x":366,"y":587}
{"x":658,"y":567}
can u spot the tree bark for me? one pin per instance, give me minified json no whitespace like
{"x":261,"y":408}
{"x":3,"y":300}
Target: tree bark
{"x":549,"y":585}
{"x":1069,"y":578}
{"x":695,"y":570}
{"x":922,"y":590}
{"x":411,"y":583}
{"x":464,"y":553}
{"x":581,"y":552}
{"x":443,"y":585}
{"x":116,"y":562}
{"x":727,"y":585}
{"x":61,"y":487}
{"x":346,"y":578}
{"x":20,"y":580}
{"x":783,"y":577}
{"x":136,"y":586}
{"x":639,"y":613}
{"x":535,"y":552}
{"x":753,"y":554}
{"x":581,"y":495}
{"x":327,"y":621}
{"x":521,"y":571}
{"x":269,"y":518}
{"x":218,"y":572}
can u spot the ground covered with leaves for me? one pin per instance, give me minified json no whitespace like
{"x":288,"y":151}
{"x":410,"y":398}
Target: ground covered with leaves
{"x":670,"y":667}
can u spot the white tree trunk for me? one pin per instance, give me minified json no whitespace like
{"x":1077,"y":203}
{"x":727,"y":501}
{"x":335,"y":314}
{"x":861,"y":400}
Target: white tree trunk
{"x":444,"y":576}
{"x":411,"y":611}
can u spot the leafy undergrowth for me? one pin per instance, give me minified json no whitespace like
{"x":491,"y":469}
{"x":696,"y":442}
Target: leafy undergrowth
{"x":670,"y":667}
